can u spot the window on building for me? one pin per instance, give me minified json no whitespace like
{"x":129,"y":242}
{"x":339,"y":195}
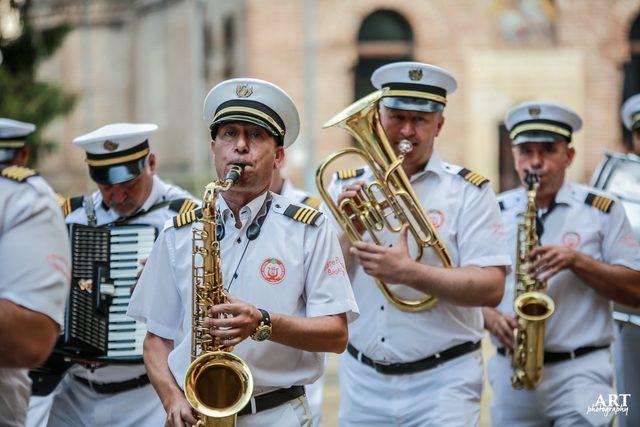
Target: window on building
{"x":229,"y":47}
{"x":385,"y":36}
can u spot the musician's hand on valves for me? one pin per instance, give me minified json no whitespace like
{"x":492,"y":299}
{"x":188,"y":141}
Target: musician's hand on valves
{"x":501,"y":326}
{"x":546,"y":261}
{"x":391,"y":265}
{"x":179,"y":412}
{"x":352,"y":192}
{"x":231,"y":330}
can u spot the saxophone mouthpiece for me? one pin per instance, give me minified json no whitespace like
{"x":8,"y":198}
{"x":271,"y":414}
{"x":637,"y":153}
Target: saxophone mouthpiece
{"x":234,"y":173}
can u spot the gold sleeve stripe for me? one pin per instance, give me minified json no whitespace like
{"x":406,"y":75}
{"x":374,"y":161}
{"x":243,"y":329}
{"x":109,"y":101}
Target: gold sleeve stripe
{"x":313,"y":202}
{"x":187,"y":206}
{"x":18,"y":173}
{"x":599,"y":202}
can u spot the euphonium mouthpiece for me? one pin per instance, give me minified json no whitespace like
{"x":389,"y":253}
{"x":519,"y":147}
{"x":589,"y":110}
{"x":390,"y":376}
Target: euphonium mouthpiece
{"x":405,"y":146}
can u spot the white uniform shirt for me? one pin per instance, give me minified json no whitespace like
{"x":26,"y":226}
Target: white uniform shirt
{"x":582,"y":317}
{"x":291,"y":268}
{"x":34,"y":271}
{"x":468,"y":221}
{"x":292,"y":193}
{"x":160,"y":192}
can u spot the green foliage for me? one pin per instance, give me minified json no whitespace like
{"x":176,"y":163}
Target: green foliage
{"x":22,"y":96}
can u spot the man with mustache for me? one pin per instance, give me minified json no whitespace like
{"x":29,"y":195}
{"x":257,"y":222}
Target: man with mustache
{"x":281,"y":268}
{"x":421,"y":368}
{"x":121,"y":163}
{"x":587,"y":255}
{"x":34,"y":270}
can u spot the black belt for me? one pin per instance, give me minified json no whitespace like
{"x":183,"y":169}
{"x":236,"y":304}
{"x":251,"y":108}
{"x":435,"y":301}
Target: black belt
{"x":555,"y":357}
{"x":272,"y":399}
{"x":417,"y":366}
{"x":112,"y":388}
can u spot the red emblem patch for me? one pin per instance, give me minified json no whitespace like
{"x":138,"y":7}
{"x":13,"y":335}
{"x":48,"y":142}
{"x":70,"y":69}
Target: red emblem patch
{"x":334,"y":266}
{"x":272,"y":270}
{"x":498,"y":229}
{"x":571,"y":240}
{"x":436,"y":217}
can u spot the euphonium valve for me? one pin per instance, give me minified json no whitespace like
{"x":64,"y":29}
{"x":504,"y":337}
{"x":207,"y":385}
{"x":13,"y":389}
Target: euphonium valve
{"x":389,"y":202}
{"x":218,"y":384}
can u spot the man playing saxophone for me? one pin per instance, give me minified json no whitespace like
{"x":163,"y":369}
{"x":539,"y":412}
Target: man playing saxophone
{"x":418,"y":368}
{"x":587,"y":255}
{"x":281,"y":268}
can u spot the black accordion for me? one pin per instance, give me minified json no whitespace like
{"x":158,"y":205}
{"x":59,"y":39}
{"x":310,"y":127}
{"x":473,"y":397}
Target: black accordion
{"x":105,"y":262}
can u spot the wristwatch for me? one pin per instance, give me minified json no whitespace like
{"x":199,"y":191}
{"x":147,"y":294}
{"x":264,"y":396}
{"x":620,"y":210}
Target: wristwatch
{"x":263,"y":331}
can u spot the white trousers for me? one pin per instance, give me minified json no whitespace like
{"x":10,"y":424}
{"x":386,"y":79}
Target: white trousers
{"x":561,"y":399}
{"x":294,"y":413}
{"x":626,"y":354}
{"x":448,"y":395}
{"x":39,"y":408}
{"x":314,"y":397}
{"x":76,"y":405}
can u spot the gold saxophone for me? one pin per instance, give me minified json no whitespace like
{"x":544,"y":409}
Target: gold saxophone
{"x":531,"y":305}
{"x":389,"y":195}
{"x":217,"y":384}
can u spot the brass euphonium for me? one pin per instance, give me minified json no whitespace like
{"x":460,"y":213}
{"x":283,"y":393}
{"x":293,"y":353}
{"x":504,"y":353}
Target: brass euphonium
{"x":531,"y":305}
{"x":389,"y":195}
{"x":218,"y":384}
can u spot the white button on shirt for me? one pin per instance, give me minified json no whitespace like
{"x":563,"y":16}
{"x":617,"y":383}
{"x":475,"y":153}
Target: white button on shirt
{"x":305,"y":284}
{"x":160,"y":192}
{"x":582,"y":316}
{"x":34,"y":271}
{"x":468,"y":221}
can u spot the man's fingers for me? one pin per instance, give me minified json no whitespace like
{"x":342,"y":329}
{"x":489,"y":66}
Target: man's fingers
{"x":365,"y":256}
{"x":225,"y":334}
{"x":187,"y":416}
{"x":511,"y":322}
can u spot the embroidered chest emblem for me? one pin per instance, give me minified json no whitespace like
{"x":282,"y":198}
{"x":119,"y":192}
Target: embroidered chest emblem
{"x":272,"y":270}
{"x":571,"y":240}
{"x":436,"y":217}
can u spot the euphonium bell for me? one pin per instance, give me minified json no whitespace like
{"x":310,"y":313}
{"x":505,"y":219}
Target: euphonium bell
{"x":389,"y":196}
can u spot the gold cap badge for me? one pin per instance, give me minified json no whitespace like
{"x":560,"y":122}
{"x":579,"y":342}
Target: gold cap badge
{"x":416,"y":74}
{"x":244,"y":90}
{"x":110,"y":145}
{"x":534,"y":111}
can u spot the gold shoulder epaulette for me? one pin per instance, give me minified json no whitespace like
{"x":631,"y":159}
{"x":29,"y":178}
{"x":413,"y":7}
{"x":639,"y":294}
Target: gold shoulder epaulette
{"x":599,"y":202}
{"x":187,"y":218}
{"x":349,"y":173}
{"x":474,"y":178}
{"x":303,"y":214}
{"x":313,"y":202}
{"x":69,"y":204}
{"x":181,"y":206}
{"x":18,"y":173}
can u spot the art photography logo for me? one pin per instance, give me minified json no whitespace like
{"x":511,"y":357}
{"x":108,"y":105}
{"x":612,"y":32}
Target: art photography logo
{"x":613,"y":404}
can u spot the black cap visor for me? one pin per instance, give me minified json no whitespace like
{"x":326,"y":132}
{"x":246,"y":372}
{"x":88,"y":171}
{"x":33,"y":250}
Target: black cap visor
{"x":117,"y":174}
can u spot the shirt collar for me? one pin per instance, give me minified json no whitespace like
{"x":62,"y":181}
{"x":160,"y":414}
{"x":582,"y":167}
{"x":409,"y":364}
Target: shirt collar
{"x":252,"y":208}
{"x":434,"y":165}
